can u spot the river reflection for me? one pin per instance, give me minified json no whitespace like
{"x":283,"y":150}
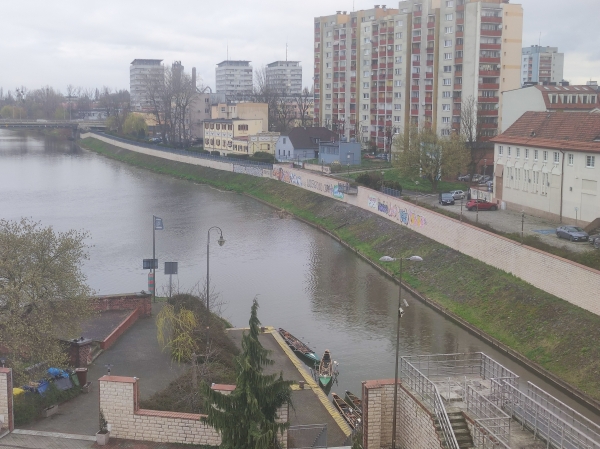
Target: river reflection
{"x":305,"y":281}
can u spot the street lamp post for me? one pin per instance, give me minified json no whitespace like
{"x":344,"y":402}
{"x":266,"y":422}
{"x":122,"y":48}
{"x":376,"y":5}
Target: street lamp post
{"x":522,"y":224}
{"x":401,"y":303}
{"x":221,"y":242}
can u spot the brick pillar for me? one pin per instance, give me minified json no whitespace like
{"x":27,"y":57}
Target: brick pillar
{"x":6,"y":400}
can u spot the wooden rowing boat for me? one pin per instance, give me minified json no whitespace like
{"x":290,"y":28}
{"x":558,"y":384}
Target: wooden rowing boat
{"x":349,"y":414}
{"x":325,"y":369}
{"x":354,"y":401}
{"x":298,"y":347}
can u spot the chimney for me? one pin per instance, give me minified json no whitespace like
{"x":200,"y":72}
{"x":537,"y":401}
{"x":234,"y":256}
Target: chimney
{"x":376,"y":6}
{"x":194,"y":78}
{"x":383,"y":6}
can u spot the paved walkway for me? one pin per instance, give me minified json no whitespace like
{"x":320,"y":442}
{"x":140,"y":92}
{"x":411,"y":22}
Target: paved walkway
{"x":30,"y":440}
{"x":136,"y":353}
{"x":311,"y":405}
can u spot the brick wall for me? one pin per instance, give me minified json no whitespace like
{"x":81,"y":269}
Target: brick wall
{"x":125,"y":324}
{"x":119,"y":402}
{"x":128,"y":301}
{"x":415,"y":428}
{"x":6,"y":400}
{"x":533,"y":266}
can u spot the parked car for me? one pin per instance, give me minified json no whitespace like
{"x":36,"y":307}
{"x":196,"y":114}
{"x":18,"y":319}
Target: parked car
{"x":446,"y":199}
{"x":476,"y":177}
{"x":484,"y":179}
{"x":458,"y":194}
{"x":156,"y":140}
{"x":465,"y":178}
{"x":594,"y":240}
{"x":481,"y":205}
{"x":573,"y":233}
{"x":369,"y":156}
{"x":382,"y":156}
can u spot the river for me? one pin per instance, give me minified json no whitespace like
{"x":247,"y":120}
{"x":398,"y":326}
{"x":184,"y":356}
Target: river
{"x":304,"y":281}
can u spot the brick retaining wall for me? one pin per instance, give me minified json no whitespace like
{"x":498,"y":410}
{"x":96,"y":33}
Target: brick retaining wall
{"x":121,"y":328}
{"x":126,"y":301}
{"x":415,"y":427}
{"x":6,"y":400}
{"x":119,"y":398}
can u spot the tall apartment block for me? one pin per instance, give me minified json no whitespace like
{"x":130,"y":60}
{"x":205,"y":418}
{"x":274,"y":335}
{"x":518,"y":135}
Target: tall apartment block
{"x":234,"y":78}
{"x":542,"y":65}
{"x":140,"y":71}
{"x":285,"y":76}
{"x":379,"y":71}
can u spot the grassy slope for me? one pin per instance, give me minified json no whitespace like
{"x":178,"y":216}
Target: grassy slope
{"x":559,"y":336}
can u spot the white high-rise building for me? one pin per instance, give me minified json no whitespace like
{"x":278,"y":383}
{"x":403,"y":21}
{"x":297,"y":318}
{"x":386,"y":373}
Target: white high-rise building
{"x":140,"y":71}
{"x":379,"y":71}
{"x":234,"y":78}
{"x":285,"y":76}
{"x":543,"y":65}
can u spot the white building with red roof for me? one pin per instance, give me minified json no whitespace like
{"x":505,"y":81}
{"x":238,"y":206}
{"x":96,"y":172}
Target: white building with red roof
{"x":561,"y":98}
{"x":547,"y":164}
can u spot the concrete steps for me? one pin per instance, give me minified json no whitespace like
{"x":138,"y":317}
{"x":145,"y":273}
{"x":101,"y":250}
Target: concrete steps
{"x":460,"y":429}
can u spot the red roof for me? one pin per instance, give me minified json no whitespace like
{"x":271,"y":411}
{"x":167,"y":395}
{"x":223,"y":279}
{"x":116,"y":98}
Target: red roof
{"x":560,"y":91}
{"x":579,"y":131}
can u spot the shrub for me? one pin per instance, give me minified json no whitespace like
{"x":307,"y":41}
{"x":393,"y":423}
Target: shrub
{"x":262,"y":156}
{"x":29,"y":406}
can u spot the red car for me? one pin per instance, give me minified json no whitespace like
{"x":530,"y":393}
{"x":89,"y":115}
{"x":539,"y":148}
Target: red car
{"x":481,"y":205}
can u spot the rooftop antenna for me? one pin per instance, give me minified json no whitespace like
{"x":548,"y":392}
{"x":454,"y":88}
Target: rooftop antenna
{"x":286,"y":52}
{"x":540,"y":40}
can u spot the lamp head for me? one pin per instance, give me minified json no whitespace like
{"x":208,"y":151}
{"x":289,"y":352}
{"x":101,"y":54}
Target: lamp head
{"x":386,"y":259}
{"x":415,"y":259}
{"x":221,"y":240}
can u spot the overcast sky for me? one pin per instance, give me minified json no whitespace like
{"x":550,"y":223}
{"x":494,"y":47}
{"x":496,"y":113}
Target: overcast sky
{"x":92,"y":43}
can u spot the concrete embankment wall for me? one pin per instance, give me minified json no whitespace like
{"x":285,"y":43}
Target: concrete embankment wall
{"x":565,"y":279}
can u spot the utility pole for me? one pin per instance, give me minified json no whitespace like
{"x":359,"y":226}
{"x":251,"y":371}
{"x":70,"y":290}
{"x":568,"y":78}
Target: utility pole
{"x":522,"y":224}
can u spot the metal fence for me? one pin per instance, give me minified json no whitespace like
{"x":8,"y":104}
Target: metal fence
{"x":488,"y":416}
{"x":483,"y":438}
{"x":391,"y":192}
{"x":420,"y":384}
{"x":225,"y":159}
{"x":539,"y":414}
{"x":307,"y":436}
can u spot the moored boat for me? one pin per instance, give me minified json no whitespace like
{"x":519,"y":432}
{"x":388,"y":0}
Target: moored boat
{"x":348,"y":412}
{"x":354,"y":401}
{"x":298,"y":347}
{"x":325,"y":369}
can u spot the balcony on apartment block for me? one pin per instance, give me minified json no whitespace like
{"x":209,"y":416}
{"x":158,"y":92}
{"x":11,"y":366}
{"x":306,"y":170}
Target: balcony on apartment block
{"x":430,"y":24}
{"x":417,"y":13}
{"x":456,"y":112}
{"x":428,"y":100}
{"x":488,"y":86}
{"x":429,"y":75}
{"x":414,"y":100}
{"x":413,"y":87}
{"x":489,"y":46}
{"x":416,"y":39}
{"x":488,"y":99}
{"x":489,"y":72}
{"x":428,"y":113}
{"x":415,"y":75}
{"x":457,"y":87}
{"x":458,"y":60}
{"x":491,"y":33}
{"x":491,"y":19}
{"x":428,"y":87}
{"x":430,"y":49}
{"x":430,"y":37}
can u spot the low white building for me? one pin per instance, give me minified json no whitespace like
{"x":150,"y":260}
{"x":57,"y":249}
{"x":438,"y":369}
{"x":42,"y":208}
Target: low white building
{"x":547,"y":164}
{"x":302,"y":144}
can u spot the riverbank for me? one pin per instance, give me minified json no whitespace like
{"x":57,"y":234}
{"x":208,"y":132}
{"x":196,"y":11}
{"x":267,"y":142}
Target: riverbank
{"x":562,"y":338}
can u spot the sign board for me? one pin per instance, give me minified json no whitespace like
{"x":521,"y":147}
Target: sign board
{"x":171,"y":267}
{"x":158,"y":224}
{"x":148,"y":264}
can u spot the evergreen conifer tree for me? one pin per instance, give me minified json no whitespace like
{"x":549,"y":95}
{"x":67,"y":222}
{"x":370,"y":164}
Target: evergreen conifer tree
{"x":246,"y":419}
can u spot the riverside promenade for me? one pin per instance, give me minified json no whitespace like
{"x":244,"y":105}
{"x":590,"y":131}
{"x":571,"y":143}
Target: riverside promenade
{"x":310,"y":406}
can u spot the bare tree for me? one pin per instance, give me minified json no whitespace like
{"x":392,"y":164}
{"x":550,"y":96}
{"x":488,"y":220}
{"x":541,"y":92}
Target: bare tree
{"x":305,"y":102}
{"x":471,"y":128}
{"x":116,"y":104}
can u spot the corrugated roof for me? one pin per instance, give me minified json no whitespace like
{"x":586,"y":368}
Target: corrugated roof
{"x":555,"y":130}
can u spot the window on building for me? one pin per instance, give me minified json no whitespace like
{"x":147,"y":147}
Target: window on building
{"x":448,"y":43}
{"x":459,"y":53}
{"x":447,"y":56}
{"x":446,"y":107}
{"x":571,"y":158}
{"x":447,"y":82}
{"x":366,"y":85}
{"x":545,"y":154}
{"x":398,"y":83}
{"x":397,"y":106}
{"x":445,"y":119}
{"x":449,"y":17}
{"x":449,"y":3}
{"x":500,"y":150}
{"x":556,"y":157}
{"x":397,"y":95}
{"x":446,"y":94}
{"x":399,"y":23}
{"x":447,"y":68}
{"x":590,"y":161}
{"x":366,"y":96}
{"x":535,"y":155}
{"x":448,"y":30}
{"x":445,"y":132}
{"x":526,"y":153}
{"x":398,"y":59}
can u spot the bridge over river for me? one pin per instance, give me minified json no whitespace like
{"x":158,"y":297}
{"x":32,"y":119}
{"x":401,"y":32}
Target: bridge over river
{"x":74,"y":125}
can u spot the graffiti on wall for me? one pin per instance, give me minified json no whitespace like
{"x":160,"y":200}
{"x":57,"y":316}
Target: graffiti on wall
{"x":287,"y":176}
{"x":405,"y":216}
{"x":248,"y":170}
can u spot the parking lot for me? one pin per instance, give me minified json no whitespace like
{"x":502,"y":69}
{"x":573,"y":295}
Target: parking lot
{"x":506,"y":221}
